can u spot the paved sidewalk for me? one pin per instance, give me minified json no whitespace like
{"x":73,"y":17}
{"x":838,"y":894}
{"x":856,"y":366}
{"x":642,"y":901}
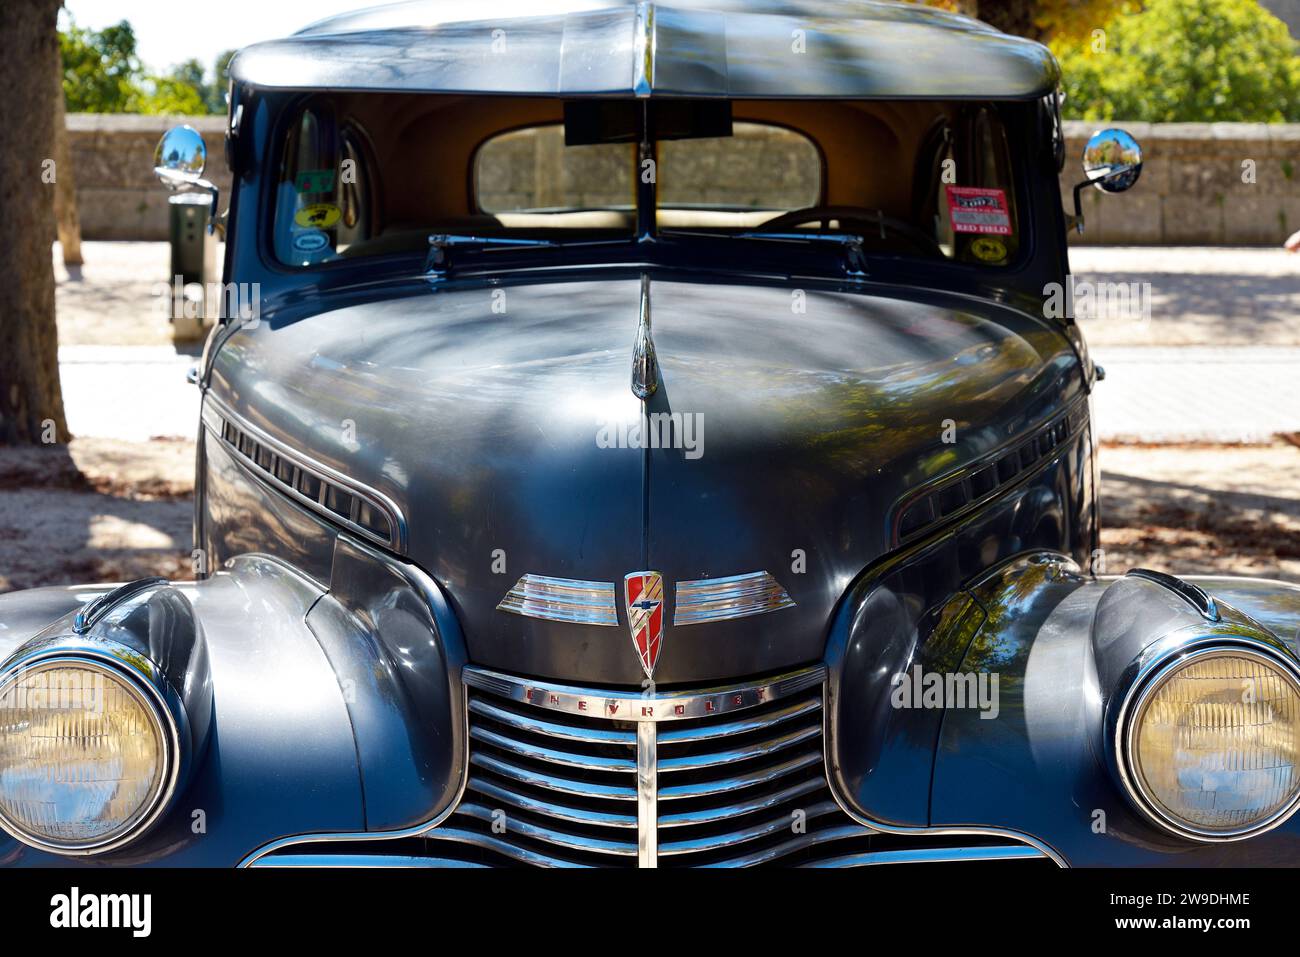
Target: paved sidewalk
{"x":128,"y":392}
{"x":1219,"y":361}
{"x":1197,"y":394}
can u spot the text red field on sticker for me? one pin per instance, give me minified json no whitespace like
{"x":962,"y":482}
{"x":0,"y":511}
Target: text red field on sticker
{"x":979,"y":210}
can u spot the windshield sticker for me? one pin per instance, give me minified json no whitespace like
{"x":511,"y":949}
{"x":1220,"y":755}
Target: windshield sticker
{"x":317,"y":215}
{"x":315,"y":181}
{"x":989,"y":250}
{"x":311,"y":241}
{"x":979,"y":210}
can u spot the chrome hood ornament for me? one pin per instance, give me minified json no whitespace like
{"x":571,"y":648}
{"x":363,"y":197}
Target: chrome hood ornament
{"x":645,"y":366}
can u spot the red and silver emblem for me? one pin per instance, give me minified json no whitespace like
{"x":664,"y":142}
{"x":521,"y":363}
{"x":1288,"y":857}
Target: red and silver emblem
{"x":643,"y":596}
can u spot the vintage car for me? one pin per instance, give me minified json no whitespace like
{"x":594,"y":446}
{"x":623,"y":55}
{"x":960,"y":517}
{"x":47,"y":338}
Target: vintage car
{"x":640,"y":440}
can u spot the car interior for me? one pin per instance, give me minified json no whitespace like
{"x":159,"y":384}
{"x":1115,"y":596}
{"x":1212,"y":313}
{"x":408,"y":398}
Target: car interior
{"x":536,"y":168}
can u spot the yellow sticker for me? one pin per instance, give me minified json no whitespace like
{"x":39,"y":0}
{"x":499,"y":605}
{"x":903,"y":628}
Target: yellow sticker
{"x":317,"y":216}
{"x":988,"y":249}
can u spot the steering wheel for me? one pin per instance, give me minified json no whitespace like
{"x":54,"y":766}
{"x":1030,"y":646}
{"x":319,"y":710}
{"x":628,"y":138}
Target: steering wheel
{"x":869,"y":218}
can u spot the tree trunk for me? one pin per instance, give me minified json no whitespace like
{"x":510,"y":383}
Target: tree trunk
{"x":65,"y":186}
{"x":31,"y":403}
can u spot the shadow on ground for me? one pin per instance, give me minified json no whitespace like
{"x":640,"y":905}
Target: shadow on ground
{"x":97,"y":510}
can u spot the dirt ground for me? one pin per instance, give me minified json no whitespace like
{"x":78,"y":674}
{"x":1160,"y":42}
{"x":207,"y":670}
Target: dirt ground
{"x":96,"y":510}
{"x":105,"y":510}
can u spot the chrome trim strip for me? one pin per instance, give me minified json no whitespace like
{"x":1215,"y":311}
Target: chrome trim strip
{"x":504,"y":848}
{"x":753,"y":832}
{"x":397,"y":540}
{"x":548,"y":835}
{"x":988,"y":461}
{"x":758,"y":749}
{"x":738,"y":596}
{"x":552,"y":782}
{"x":735,"y":783}
{"x":710,"y":732}
{"x":562,"y":599}
{"x":552,"y":729}
{"x":97,"y":608}
{"x":566,"y":759}
{"x":723,"y":812}
{"x":1193,"y":594}
{"x":1148,"y":678}
{"x":630,"y":706}
{"x":933,"y":855}
{"x":365,"y":860}
{"x":809,"y":839}
{"x":647,"y":787}
{"x":562,"y":812}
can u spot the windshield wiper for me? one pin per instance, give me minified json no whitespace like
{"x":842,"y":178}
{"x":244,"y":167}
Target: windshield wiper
{"x":439,"y":243}
{"x":850,"y":243}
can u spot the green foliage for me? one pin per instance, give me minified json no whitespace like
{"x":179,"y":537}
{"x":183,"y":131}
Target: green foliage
{"x":1185,"y":61}
{"x":100,"y":69}
{"x":103,"y":74}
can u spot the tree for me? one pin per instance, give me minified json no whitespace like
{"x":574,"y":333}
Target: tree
{"x":1185,"y":61}
{"x":65,"y":186}
{"x":220,"y":87}
{"x":100,"y":68}
{"x":31,"y":403}
{"x":1039,"y":19}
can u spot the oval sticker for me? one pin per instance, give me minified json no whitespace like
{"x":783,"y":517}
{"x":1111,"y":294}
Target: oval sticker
{"x":989,"y":250}
{"x":318,"y":216}
{"x":310,"y":241}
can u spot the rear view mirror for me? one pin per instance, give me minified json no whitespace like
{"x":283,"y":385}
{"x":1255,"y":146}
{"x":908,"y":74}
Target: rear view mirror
{"x":179,"y":161}
{"x":1112,"y":161}
{"x":181,"y":157}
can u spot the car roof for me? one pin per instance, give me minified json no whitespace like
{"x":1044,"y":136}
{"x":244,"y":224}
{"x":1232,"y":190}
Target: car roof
{"x":684,"y":48}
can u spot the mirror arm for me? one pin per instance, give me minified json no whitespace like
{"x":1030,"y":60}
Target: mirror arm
{"x":1078,"y":193}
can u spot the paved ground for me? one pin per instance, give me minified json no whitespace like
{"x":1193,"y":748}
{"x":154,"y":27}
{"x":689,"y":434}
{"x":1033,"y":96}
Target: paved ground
{"x":1232,"y":314}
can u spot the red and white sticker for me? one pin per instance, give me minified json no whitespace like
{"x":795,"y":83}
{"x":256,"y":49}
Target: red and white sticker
{"x":979,"y":210}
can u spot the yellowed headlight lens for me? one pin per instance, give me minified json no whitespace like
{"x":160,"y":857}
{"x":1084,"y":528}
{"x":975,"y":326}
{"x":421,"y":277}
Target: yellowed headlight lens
{"x":1217,"y":743}
{"x":82,"y":755}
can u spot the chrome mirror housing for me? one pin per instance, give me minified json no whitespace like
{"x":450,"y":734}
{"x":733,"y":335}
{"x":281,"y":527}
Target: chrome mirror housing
{"x":181,"y":157}
{"x":179,"y":161}
{"x":1112,"y":161}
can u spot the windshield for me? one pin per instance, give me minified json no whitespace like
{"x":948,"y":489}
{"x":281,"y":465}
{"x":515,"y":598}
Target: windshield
{"x":376,"y":174}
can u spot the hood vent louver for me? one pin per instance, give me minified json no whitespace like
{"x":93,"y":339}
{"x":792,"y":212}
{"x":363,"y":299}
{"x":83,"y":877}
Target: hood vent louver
{"x":988,"y":478}
{"x":358,"y":509}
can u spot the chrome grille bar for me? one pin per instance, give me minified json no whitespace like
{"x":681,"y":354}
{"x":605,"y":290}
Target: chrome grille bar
{"x":733,"y":776}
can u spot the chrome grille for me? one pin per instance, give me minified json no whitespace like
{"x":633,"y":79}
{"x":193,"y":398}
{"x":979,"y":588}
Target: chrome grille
{"x":562,"y":776}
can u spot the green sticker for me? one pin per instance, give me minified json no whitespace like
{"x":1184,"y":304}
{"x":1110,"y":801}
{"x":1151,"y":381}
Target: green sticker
{"x":315,"y":181}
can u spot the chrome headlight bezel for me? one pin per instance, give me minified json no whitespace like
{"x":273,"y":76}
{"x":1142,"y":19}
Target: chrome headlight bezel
{"x":144,"y":680}
{"x":1145,"y":681}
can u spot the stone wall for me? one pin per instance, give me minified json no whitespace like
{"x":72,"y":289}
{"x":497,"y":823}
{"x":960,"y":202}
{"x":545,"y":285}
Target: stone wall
{"x":118,"y":195}
{"x":1203,"y":184}
{"x":1191,"y":193}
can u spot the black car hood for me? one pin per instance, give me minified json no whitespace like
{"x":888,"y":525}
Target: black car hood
{"x":488,"y":415}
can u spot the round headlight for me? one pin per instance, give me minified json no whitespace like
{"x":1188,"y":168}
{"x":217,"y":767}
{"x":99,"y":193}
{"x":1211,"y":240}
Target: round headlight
{"x":1211,"y":743}
{"x":84,"y":755}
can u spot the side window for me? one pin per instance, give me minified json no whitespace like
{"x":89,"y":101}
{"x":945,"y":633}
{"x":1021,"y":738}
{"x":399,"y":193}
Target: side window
{"x":976,"y":215}
{"x":323,"y":202}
